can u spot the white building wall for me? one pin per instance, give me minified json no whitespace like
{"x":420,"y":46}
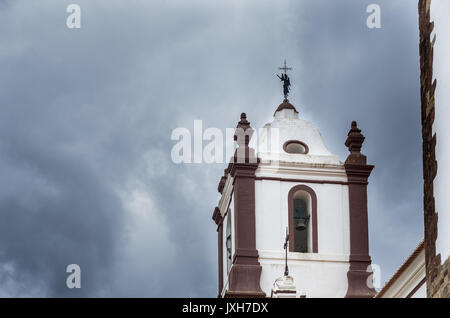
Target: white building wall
{"x":440,"y":13}
{"x":226,"y":203}
{"x":224,"y":256}
{"x":421,"y":292}
{"x":409,"y":279}
{"x":317,"y":275}
{"x":322,"y":274}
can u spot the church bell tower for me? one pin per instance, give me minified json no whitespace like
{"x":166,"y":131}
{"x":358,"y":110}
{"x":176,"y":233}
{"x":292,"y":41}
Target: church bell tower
{"x":293,"y":191}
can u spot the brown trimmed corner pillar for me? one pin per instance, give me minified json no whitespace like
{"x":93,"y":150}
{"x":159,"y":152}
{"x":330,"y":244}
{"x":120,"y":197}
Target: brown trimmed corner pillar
{"x":245,"y":273}
{"x":358,"y":172}
{"x":217,"y":217}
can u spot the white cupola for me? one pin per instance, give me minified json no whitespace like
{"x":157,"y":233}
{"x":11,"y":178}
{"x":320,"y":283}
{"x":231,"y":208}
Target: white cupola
{"x":291,"y":139}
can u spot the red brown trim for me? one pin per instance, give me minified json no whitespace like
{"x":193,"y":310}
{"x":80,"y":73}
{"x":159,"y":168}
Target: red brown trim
{"x":217,"y":217}
{"x":302,"y":187}
{"x":245,"y":272}
{"x":358,"y":173}
{"x":402,"y":268}
{"x":287,"y":143}
{"x":302,"y":180}
{"x":412,"y":292}
{"x":244,"y":214}
{"x":222,"y":181}
{"x":285,"y":105}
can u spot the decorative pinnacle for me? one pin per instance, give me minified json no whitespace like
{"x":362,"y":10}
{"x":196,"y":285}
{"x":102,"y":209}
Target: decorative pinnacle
{"x":354,"y":139}
{"x":243,"y":123}
{"x":243,"y":131}
{"x":354,"y":143}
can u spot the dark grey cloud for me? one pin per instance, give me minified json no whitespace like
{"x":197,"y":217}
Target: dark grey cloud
{"x":371,"y":76}
{"x":86,"y":119}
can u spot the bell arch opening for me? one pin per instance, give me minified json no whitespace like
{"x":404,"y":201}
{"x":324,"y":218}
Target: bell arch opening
{"x":302,"y":220}
{"x":302,"y":226}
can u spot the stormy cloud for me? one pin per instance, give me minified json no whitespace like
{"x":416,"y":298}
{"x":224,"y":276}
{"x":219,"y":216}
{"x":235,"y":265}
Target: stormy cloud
{"x":87,"y":115}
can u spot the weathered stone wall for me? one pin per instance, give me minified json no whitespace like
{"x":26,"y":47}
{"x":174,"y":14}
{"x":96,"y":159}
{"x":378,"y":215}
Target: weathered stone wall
{"x":427,"y":89}
{"x":436,"y":272}
{"x":440,"y":287}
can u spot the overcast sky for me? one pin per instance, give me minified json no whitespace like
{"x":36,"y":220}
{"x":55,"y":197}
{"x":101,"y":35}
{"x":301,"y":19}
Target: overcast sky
{"x":87,"y":115}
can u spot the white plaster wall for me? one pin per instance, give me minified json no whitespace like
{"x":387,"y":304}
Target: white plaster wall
{"x":271,"y":208}
{"x":227,"y":202}
{"x":229,"y":218}
{"x":287,"y":126}
{"x":224,"y":251}
{"x":440,"y":13}
{"x":270,"y":223}
{"x":319,"y":275}
{"x":322,"y":274}
{"x":421,"y":292}
{"x":233,"y":230}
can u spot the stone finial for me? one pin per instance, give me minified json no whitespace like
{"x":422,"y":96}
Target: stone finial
{"x":243,"y":132}
{"x":242,"y":135}
{"x":354,"y":143}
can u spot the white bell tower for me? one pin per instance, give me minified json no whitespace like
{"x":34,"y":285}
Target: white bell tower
{"x":294,"y":182}
{"x":301,"y":186}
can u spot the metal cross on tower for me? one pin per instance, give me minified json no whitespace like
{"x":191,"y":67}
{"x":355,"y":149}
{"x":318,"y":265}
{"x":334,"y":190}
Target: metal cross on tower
{"x":285,"y":79}
{"x":285,"y":67}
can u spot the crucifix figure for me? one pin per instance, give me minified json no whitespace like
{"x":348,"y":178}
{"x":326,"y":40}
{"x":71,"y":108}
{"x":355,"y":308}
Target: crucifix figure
{"x":285,"y":79}
{"x":286,"y":242}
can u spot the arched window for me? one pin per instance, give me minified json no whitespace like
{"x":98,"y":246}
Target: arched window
{"x":302,"y":220}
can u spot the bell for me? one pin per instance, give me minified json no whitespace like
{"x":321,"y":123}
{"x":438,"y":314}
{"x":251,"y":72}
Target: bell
{"x":300,"y":224}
